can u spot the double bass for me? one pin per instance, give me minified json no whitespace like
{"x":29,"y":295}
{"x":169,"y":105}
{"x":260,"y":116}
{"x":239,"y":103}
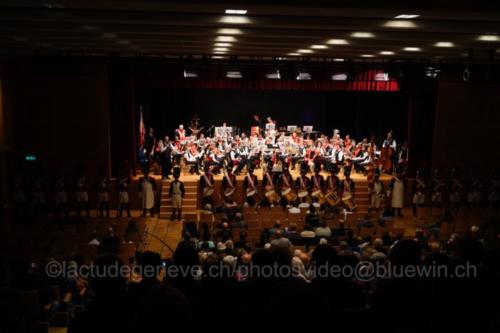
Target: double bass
{"x":386,"y":154}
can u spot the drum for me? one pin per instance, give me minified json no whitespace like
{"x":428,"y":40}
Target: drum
{"x":347,"y":200}
{"x":271,"y":196}
{"x":303,"y":194}
{"x":319,"y":196}
{"x":229,"y":192}
{"x":208,"y":192}
{"x":289,"y":195}
{"x":250,"y":193}
{"x":332,"y":199}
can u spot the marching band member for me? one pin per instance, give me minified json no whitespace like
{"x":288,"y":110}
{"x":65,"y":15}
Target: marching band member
{"x":147,"y":188}
{"x":377,"y":193}
{"x":419,"y":188}
{"x":317,"y":184}
{"x":455,"y":190}
{"x":176,"y":193}
{"x":332,"y":188}
{"x":474,"y":188}
{"x":269,"y":183}
{"x":207,"y":186}
{"x":82,"y":195}
{"x":397,"y":190}
{"x":180,"y":133}
{"x":250,"y":185}
{"x":437,"y":189}
{"x":61,"y":196}
{"x":228,"y":183}
{"x":347,"y":188}
{"x":123,"y":186}
{"x":288,"y":195}
{"x":166,"y":157}
{"x":193,"y":158}
{"x":102,"y":187}
{"x":302,"y":184}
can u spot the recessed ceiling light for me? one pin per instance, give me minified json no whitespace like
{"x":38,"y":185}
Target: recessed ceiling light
{"x":412,"y":49}
{"x":89,"y":27}
{"x":489,"y":38}
{"x":339,"y":77}
{"x":362,"y":34}
{"x":319,"y":47}
{"x":401,"y":24}
{"x":293,"y":54}
{"x":234,"y":75}
{"x":337,"y":42}
{"x":109,"y":35}
{"x":236,"y":11}
{"x":339,"y":59}
{"x":386,"y":52}
{"x":225,"y":39}
{"x":219,"y":52}
{"x":444,"y":44}
{"x":229,"y":31}
{"x":217,"y":57}
{"x":223,"y":44}
{"x":223,"y":49}
{"x":305,"y":51}
{"x":235,"y":20}
{"x":367,"y":56}
{"x":406,"y":16}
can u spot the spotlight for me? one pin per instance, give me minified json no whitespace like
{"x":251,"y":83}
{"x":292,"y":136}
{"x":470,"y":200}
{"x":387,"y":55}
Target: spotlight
{"x":432,"y":72}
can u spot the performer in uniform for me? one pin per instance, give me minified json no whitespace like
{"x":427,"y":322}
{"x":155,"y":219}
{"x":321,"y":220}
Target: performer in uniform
{"x":229,"y":183}
{"x":207,"y":186}
{"x":176,"y":193}
{"x":39,"y":197}
{"x":250,"y":185}
{"x":147,"y":188}
{"x":288,"y":195}
{"x":419,"y":189}
{"x":123,"y":186}
{"x":437,"y":189}
{"x":61,"y":196}
{"x":103,"y":186}
{"x":474,"y":189}
{"x":455,"y":190}
{"x":82,"y":195}
{"x":348,"y":188}
{"x":397,"y":188}
{"x":269,"y":183}
{"x":166,"y":158}
{"x":317,"y":184}
{"x":377,"y":192}
{"x":302,"y":184}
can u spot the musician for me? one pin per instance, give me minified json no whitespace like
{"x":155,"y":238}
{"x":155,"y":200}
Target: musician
{"x":455,"y":190}
{"x":180,"y":133}
{"x":377,"y":193}
{"x":147,"y":188}
{"x":176,"y":193}
{"x":193,"y":157}
{"x":474,"y":188}
{"x":437,"y":189}
{"x":242,"y":155}
{"x":269,"y":182}
{"x":82,"y":195}
{"x":494,"y":189}
{"x":166,"y":157}
{"x":317,"y":184}
{"x":419,"y":189}
{"x":389,"y":141}
{"x":61,"y":196}
{"x":288,"y":195}
{"x":397,"y":191}
{"x":388,"y":153}
{"x":362,"y":159}
{"x":347,"y":189}
{"x":401,"y":158}
{"x":39,"y":196}
{"x":149,"y":143}
{"x":302,"y":185}
{"x":123,"y":187}
{"x":102,"y":187}
{"x":250,"y":185}
{"x":229,"y":183}
{"x":207,"y":186}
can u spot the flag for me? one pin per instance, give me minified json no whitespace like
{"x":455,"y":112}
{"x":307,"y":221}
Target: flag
{"x":142,"y":129}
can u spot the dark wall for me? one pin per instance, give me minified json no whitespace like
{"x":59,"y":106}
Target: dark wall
{"x":357,"y":113}
{"x":467,"y":126}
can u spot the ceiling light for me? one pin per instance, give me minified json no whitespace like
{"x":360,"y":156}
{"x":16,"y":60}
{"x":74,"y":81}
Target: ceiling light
{"x":407,"y":16}
{"x":304,"y":76}
{"x":403,"y":24}
{"x":382,"y":77}
{"x":339,"y":77}
{"x":293,"y":54}
{"x":444,"y":44}
{"x":339,"y":59}
{"x":305,"y":51}
{"x":219,"y":52}
{"x":337,"y":42}
{"x":489,"y":38}
{"x":223,"y":44}
{"x":386,"y":52}
{"x":109,"y":35}
{"x":362,"y":34}
{"x":225,"y":39}
{"x":235,"y":20}
{"x":274,"y":75}
{"x":222,"y":49}
{"x":229,"y":31}
{"x":217,"y":57}
{"x":412,"y":49}
{"x":319,"y":47}
{"x":236,"y":11}
{"x":190,"y":74}
{"x":234,"y":75}
{"x":367,"y":56}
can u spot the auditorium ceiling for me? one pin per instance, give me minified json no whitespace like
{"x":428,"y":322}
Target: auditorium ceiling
{"x":336,"y":30}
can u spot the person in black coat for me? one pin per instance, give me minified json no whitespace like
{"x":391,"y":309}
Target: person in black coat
{"x":166,"y":158}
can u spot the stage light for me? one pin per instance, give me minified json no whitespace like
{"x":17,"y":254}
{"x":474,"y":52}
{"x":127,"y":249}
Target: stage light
{"x":305,"y":51}
{"x":412,"y":49}
{"x":432,"y":72}
{"x":217,"y":57}
{"x":223,"y":44}
{"x":362,"y":34}
{"x":319,"y":47}
{"x":219,"y":52}
{"x":367,"y":56}
{"x":444,"y":44}
{"x":294,"y":54}
{"x":386,"y":53}
{"x":229,"y":31}
{"x":339,"y":77}
{"x":234,"y":75}
{"x":338,"y":59}
{"x":400,"y":24}
{"x":382,"y":77}
{"x":337,"y":42}
{"x":274,"y":75}
{"x":235,"y":20}
{"x":225,"y":39}
{"x":407,"y":16}
{"x":190,"y":74}
{"x":221,"y":49}
{"x":489,"y":38}
{"x":304,"y":76}
{"x":236,"y":11}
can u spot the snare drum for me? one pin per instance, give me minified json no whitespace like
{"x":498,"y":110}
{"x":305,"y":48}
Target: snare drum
{"x":207,"y":192}
{"x":289,"y":195}
{"x":303,"y":194}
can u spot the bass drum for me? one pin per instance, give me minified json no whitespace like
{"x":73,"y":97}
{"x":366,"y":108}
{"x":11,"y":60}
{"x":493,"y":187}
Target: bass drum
{"x":332,"y":199}
{"x":347,"y":200}
{"x":289,"y":195}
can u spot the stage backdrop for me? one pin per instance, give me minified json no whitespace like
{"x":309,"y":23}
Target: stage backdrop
{"x":356,"y":113}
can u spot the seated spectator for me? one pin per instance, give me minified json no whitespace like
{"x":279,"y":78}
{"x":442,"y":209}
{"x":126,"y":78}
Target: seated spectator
{"x":312,"y":217}
{"x":131,"y":227}
{"x":242,"y":242}
{"x":308,"y":232}
{"x":323,"y":230}
{"x":294,"y":210}
{"x":110,"y":243}
{"x":366,"y":222}
{"x":280,"y":240}
{"x":224,"y":234}
{"x":277,"y":227}
{"x":293,"y":235}
{"x":94,"y":240}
